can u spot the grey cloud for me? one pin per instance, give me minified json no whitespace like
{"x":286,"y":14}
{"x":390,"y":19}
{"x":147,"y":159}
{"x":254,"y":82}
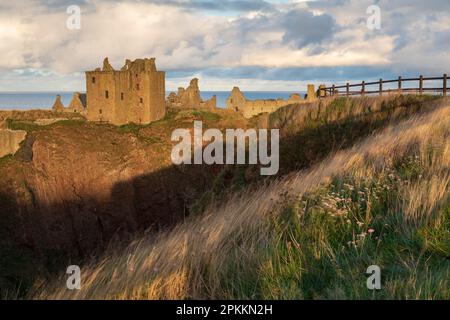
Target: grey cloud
{"x":213,"y":5}
{"x":304,"y":28}
{"x":216,"y":5}
{"x":181,"y":43}
{"x":353,"y":73}
{"x":301,"y":27}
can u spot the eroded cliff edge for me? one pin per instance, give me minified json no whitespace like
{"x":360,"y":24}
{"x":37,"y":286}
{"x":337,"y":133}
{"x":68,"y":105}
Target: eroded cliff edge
{"x":74,"y":186}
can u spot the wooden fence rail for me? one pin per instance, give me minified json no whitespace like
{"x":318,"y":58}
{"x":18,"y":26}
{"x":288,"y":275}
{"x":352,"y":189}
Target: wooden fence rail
{"x":349,"y":89}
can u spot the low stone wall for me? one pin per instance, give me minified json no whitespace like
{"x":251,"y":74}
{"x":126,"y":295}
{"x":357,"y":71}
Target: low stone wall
{"x":10,"y":141}
{"x":249,"y":108}
{"x":254,"y":107}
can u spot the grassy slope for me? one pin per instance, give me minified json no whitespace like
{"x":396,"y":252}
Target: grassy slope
{"x":310,"y":235}
{"x":309,"y":133}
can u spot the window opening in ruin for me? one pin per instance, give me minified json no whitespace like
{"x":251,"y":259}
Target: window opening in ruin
{"x":121,"y":96}
{"x":106,"y":94}
{"x":93,"y":79}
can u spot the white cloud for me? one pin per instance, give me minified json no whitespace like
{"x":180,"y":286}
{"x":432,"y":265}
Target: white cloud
{"x":33,"y":36}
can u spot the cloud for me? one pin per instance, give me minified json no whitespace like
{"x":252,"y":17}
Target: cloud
{"x":318,"y":27}
{"x":263,"y":40}
{"x":218,"y":5}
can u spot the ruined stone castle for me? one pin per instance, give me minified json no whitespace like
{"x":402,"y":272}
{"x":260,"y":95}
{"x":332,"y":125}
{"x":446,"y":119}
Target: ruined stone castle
{"x":249,"y":108}
{"x":136,"y":94}
{"x":190,"y":98}
{"x":77,"y":104}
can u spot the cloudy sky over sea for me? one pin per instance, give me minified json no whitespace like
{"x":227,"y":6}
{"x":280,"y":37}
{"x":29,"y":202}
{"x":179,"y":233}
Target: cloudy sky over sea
{"x":256,"y":44}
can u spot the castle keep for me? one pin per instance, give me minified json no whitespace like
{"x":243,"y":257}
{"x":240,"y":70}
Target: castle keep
{"x":135,"y":94}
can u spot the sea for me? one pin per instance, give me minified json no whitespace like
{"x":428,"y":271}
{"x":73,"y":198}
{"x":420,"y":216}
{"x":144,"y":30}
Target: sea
{"x":45,"y":100}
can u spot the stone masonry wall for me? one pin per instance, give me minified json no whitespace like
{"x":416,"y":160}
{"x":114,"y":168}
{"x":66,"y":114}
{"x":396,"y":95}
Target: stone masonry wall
{"x":135,"y":94}
{"x":249,"y":108}
{"x":190,"y":98}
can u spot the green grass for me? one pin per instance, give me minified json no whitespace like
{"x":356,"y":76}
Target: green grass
{"x":326,"y":240}
{"x":311,"y":235}
{"x":135,"y":129}
{"x":69,"y":123}
{"x":4,"y":160}
{"x":206,"y":115}
{"x":29,"y":126}
{"x":22,"y":125}
{"x":130,"y":128}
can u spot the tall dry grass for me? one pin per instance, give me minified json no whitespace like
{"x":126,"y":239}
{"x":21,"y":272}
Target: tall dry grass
{"x":224,"y":251}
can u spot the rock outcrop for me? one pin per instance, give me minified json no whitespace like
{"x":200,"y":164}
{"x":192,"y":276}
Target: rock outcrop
{"x":190,"y":98}
{"x":10,"y":141}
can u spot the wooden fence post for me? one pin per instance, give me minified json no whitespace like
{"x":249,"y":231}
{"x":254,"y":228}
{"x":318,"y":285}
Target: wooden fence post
{"x":333,"y":90}
{"x":444,"y":88}
{"x":363,"y":88}
{"x":399,"y":85}
{"x":348,"y":89}
{"x":381,"y":87}
{"x":421,"y":84}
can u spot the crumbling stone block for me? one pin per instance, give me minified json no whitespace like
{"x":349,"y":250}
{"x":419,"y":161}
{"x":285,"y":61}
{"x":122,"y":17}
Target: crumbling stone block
{"x":190,"y":98}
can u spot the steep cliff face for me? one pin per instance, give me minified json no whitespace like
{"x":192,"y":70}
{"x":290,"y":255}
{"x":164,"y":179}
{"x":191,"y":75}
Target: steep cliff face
{"x":75,"y":186}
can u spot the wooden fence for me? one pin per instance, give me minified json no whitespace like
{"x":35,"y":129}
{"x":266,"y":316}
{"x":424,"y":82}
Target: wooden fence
{"x":362,"y":88}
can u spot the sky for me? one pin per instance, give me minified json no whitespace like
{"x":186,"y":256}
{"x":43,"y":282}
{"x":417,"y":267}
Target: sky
{"x":254,"y":44}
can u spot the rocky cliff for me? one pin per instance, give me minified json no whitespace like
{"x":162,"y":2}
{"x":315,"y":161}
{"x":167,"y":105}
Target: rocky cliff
{"x":10,"y":141}
{"x":75,"y":186}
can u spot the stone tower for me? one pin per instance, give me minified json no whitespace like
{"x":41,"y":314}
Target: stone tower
{"x":135,"y":94}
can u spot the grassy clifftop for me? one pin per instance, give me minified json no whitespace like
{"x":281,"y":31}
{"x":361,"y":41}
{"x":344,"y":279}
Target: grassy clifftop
{"x":311,"y":234}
